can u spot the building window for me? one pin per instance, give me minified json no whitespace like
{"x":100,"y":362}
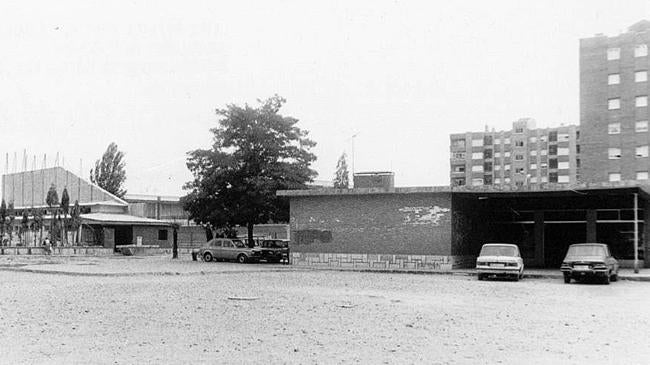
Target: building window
{"x":640,"y":50}
{"x":552,"y":163}
{"x":487,"y":180}
{"x":519,"y":143}
{"x":552,"y":149}
{"x":533,"y":179}
{"x":533,"y":153}
{"x":614,"y":104}
{"x":577,"y":162}
{"x":577,"y":135}
{"x":552,"y":136}
{"x":497,"y":141}
{"x":506,"y":141}
{"x":563,"y":151}
{"x":506,"y":180}
{"x":544,"y":179}
{"x":487,"y":153}
{"x":458,"y":143}
{"x":459,"y":155}
{"x":614,"y":128}
{"x":642,"y":175}
{"x":563,"y":178}
{"x":641,"y":76}
{"x":641,"y":126}
{"x":477,"y":143}
{"x":614,"y":176}
{"x":614,"y":153}
{"x":477,"y":182}
{"x":506,"y":167}
{"x":506,"y":154}
{"x":487,"y":166}
{"x":613,"y":54}
{"x":162,"y":235}
{"x":564,"y":165}
{"x":519,"y":170}
{"x":497,"y":167}
{"x":497,"y":154}
{"x":642,"y":151}
{"x":577,"y":148}
{"x":564,"y":137}
{"x":519,"y":157}
{"x":477,"y":155}
{"x":487,"y":140}
{"x":497,"y":181}
{"x":519,"y":130}
{"x":458,"y":168}
{"x":552,"y":177}
{"x":459,"y":181}
{"x":641,"y":101}
{"x":543,"y":153}
{"x":613,"y":79}
{"x":532,"y":139}
{"x":477,"y":168}
{"x":533,"y":166}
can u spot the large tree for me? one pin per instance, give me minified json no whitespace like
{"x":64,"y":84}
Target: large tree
{"x":342,"y":179}
{"x":65,"y":208}
{"x":255,"y":152}
{"x":109,"y":172}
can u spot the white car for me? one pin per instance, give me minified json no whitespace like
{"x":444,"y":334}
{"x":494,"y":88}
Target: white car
{"x":500,"y":260}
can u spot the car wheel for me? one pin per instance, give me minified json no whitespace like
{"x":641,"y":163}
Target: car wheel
{"x":241,"y":259}
{"x":567,"y":278}
{"x":207,"y":257}
{"x":515,"y":277}
{"x":606,"y":279}
{"x":480,"y":277}
{"x":613,"y":277}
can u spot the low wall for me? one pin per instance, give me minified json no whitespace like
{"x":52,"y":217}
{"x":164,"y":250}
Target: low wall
{"x":387,"y":262}
{"x":59,"y":251}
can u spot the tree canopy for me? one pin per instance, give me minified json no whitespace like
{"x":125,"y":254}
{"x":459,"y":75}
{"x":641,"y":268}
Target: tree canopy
{"x":109,"y":172}
{"x":52,"y":198}
{"x":342,"y":179}
{"x":255,"y":152}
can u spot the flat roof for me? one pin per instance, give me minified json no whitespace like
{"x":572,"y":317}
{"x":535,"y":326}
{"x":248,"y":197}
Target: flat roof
{"x":122,"y":219}
{"x":493,"y":190}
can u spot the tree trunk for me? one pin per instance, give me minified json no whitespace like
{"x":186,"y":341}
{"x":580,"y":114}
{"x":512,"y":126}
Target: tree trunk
{"x":250,"y":226}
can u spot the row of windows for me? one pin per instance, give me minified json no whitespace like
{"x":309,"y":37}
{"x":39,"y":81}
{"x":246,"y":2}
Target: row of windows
{"x":640,"y":50}
{"x":553,"y":163}
{"x":616,"y":176}
{"x":552,"y":177}
{"x":615,"y":153}
{"x":615,"y":103}
{"x":552,"y":150}
{"x":639,"y":126}
{"x":639,"y":76}
{"x":553,"y":136}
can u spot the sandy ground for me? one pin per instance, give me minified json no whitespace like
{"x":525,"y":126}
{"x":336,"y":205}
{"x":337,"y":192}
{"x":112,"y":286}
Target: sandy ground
{"x":310,"y":317}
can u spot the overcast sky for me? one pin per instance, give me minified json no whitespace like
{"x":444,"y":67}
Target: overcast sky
{"x":75,"y":76}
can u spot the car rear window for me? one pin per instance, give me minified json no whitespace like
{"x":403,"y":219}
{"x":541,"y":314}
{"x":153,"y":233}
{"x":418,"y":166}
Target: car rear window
{"x":586,"y":251}
{"x":498,"y":251}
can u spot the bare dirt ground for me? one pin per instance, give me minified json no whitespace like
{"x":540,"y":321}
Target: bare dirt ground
{"x":309,"y":317}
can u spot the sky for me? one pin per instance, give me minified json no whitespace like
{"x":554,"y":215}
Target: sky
{"x":400,"y":75}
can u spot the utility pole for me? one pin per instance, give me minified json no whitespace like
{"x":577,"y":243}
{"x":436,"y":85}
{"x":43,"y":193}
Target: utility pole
{"x":353,"y":137}
{"x":636,"y":233}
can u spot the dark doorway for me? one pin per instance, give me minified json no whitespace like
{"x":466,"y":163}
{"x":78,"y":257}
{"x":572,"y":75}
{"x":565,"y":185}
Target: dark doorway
{"x":123,"y":235}
{"x":558,"y":237}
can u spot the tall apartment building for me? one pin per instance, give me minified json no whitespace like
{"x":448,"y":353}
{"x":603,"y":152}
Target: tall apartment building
{"x":524,"y":155}
{"x":614,"y":93}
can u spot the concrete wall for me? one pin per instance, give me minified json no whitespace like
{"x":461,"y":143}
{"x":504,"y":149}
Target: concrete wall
{"x":150,"y":236}
{"x":391,"y":224}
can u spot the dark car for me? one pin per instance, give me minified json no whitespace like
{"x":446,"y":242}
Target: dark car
{"x":228,"y":249}
{"x":274,"y":250}
{"x":589,"y":260}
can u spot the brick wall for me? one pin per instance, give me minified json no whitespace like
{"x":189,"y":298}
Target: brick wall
{"x":150,"y":236}
{"x":391,"y":224}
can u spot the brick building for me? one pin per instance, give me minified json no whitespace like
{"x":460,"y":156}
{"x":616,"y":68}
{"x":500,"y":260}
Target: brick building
{"x":105,"y":219}
{"x":435,"y":228}
{"x":524,"y":155}
{"x":614,"y":106}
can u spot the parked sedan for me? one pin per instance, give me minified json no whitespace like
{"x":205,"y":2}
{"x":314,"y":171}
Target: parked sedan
{"x":501,"y":260}
{"x":274,"y":250}
{"x":585,"y":260}
{"x":228,"y":249}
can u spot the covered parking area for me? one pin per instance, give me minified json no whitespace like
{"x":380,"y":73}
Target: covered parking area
{"x":545,"y":222}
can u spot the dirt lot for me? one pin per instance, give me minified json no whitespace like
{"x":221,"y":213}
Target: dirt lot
{"x":311,"y":317}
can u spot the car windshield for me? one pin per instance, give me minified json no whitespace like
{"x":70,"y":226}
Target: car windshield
{"x":498,"y":251}
{"x":587,"y":250}
{"x":239,"y":243}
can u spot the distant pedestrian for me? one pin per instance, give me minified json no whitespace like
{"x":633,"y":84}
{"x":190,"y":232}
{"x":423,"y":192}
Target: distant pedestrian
{"x":47,"y":245}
